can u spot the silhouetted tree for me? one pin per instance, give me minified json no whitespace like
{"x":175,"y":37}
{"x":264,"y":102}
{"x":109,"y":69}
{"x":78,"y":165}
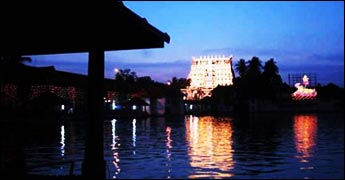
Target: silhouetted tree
{"x":253,"y":78}
{"x":179,"y":83}
{"x":253,"y":82}
{"x":145,"y":82}
{"x":157,"y":90}
{"x":272,"y":81}
{"x":330,"y":92}
{"x":222,"y":95}
{"x":125,"y":82}
{"x":175,"y":86}
{"x":270,"y":68}
{"x":254,"y":67}
{"x":241,"y":67}
{"x":126,"y":75}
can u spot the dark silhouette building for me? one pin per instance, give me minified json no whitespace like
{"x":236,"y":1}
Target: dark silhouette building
{"x":52,"y":27}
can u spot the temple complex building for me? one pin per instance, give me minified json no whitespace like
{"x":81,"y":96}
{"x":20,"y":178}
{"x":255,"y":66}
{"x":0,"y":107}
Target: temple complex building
{"x":207,"y":73}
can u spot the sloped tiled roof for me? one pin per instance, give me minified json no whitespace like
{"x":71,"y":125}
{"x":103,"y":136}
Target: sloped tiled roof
{"x":68,"y":26}
{"x":20,"y":73}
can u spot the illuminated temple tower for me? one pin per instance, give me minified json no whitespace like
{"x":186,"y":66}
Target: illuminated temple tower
{"x":207,"y":73}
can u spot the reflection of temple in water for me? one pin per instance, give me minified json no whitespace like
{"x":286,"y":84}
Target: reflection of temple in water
{"x":207,"y":73}
{"x":305,"y":129}
{"x":210,"y":146}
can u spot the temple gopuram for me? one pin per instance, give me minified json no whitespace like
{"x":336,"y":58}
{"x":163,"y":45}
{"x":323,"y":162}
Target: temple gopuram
{"x":207,"y":73}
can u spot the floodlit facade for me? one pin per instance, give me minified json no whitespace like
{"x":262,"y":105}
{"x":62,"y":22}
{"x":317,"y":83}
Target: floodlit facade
{"x":207,"y":73}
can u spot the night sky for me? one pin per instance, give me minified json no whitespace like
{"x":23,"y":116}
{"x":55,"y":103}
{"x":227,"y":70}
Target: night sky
{"x":302,"y":37}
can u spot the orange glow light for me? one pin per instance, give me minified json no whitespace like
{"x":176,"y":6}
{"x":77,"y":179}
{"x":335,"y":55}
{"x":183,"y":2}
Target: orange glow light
{"x":305,"y":128}
{"x":210,"y":146}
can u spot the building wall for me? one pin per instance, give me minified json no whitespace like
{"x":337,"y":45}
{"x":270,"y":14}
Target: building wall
{"x":11,"y":94}
{"x":157,"y":106}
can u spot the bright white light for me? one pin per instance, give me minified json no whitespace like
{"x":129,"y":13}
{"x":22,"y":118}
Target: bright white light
{"x":113,"y":105}
{"x":116,"y":159}
{"x":134,"y":133}
{"x":191,"y":106}
{"x":134,"y":107}
{"x":62,"y":142}
{"x":113,"y":128}
{"x":62,"y":107}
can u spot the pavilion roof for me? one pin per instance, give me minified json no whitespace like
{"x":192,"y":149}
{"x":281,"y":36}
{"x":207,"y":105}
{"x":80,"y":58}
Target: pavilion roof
{"x":68,"y":26}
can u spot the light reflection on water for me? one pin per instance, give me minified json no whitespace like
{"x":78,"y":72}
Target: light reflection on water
{"x":273,"y":146}
{"x":305,"y":128}
{"x":114,"y":148}
{"x":210,"y":146}
{"x":62,"y":142}
{"x":168,"y":147}
{"x":134,"y":134}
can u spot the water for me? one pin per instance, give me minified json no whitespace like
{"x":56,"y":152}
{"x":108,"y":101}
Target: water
{"x":259,"y":146}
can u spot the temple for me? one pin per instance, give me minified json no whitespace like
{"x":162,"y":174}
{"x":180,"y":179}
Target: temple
{"x":207,"y":73}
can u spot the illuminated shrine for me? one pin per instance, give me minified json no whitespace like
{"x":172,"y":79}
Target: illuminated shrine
{"x":207,"y":73}
{"x":302,"y":92}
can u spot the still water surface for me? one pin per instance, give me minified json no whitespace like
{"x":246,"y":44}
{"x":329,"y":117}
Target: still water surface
{"x":259,"y":146}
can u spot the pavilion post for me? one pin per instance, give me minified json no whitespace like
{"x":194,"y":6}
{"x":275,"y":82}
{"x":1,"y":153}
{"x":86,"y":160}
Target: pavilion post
{"x":94,"y":164}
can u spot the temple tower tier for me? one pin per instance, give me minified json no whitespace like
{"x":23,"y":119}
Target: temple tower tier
{"x":207,"y":73}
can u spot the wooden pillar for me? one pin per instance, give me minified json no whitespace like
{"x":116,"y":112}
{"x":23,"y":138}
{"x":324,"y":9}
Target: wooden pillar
{"x":94,"y":164}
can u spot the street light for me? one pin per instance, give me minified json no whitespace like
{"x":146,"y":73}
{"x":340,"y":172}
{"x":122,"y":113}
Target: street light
{"x":116,"y":71}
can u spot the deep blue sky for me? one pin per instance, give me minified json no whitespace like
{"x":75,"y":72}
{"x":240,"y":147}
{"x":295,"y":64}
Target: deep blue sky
{"x":302,"y":37}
